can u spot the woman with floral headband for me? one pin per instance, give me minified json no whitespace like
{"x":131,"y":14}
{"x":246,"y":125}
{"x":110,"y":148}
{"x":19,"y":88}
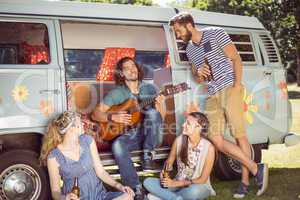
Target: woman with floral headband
{"x":68,"y":154}
{"x":195,"y":158}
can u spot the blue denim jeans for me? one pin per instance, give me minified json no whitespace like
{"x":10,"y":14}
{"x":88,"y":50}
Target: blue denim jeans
{"x":192,"y":192}
{"x":147,"y":136}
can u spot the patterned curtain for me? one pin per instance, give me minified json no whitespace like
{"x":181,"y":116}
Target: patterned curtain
{"x":110,"y":59}
{"x":35,"y":54}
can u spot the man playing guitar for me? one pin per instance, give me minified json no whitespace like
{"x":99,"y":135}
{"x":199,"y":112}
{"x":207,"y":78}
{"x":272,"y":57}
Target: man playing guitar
{"x":146,"y":135}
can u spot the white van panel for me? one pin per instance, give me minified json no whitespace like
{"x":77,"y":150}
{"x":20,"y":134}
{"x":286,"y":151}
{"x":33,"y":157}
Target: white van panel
{"x":121,"y":12}
{"x":83,"y":9}
{"x":101,"y":36}
{"x":221,"y":19}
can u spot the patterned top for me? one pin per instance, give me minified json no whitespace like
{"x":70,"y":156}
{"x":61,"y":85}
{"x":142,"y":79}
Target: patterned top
{"x":186,"y":172}
{"x":211,"y":46}
{"x":196,"y":160}
{"x":91,"y":187}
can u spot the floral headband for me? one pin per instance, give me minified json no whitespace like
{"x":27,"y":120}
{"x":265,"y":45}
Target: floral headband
{"x":65,"y":121}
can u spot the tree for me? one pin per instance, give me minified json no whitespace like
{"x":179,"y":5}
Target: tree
{"x":135,"y":2}
{"x":281,"y":18}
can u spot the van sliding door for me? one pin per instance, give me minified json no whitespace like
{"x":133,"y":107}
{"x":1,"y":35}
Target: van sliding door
{"x":29,"y":74}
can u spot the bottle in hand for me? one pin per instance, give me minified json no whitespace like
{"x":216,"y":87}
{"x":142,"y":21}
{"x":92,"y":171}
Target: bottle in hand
{"x":75,"y":188}
{"x":210,"y":77}
{"x":165,"y":173}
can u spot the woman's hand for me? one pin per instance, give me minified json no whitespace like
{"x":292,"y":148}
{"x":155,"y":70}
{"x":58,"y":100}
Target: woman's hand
{"x":168,"y":166}
{"x":125,"y":189}
{"x":167,"y":182}
{"x":72,"y":196}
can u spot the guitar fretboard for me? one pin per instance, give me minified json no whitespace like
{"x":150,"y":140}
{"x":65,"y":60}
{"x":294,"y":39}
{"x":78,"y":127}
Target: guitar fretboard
{"x":168,"y":91}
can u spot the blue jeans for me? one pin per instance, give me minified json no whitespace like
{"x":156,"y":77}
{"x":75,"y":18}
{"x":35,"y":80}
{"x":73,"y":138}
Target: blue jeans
{"x":147,"y":136}
{"x":192,"y":192}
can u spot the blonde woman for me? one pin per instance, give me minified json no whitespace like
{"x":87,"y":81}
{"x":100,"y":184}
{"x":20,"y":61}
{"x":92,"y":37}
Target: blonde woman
{"x":68,"y":154}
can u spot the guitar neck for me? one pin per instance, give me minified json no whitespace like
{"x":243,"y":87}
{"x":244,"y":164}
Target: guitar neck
{"x":168,"y":91}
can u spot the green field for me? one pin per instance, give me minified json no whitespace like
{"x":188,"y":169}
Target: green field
{"x":284,"y":163}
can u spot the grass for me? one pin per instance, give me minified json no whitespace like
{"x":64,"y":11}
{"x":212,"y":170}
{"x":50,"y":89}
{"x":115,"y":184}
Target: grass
{"x":284,"y":164}
{"x":284,"y":184}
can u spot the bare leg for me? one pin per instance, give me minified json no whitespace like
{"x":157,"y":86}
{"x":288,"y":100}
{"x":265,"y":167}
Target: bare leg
{"x":245,"y":147}
{"x":234,"y":151}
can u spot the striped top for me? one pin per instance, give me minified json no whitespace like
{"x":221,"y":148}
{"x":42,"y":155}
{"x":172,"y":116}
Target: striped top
{"x":211,"y":46}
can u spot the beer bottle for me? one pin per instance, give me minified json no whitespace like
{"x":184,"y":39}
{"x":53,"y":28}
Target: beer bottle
{"x":210,"y":77}
{"x":75,"y":188}
{"x":166,"y":173}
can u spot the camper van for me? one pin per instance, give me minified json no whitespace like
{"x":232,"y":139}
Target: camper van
{"x":57,"y":56}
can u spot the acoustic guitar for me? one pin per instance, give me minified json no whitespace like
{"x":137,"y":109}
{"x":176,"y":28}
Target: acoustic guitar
{"x":111,"y":130}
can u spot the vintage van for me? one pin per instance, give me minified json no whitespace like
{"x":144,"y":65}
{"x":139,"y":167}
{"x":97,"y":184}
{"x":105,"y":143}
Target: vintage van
{"x":56,"y":56}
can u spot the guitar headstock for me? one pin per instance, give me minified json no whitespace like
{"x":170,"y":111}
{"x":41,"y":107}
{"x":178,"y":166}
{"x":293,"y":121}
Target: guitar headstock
{"x":170,"y":90}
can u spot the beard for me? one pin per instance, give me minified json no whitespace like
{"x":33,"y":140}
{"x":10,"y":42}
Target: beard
{"x":131,"y":78}
{"x":187,"y":37}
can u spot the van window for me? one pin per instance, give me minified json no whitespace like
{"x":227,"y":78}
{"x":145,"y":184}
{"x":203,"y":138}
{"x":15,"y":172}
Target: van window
{"x":81,"y":63}
{"x":241,"y":41}
{"x":84,"y":45}
{"x":181,"y":51}
{"x":244,"y":47}
{"x":270,"y":48}
{"x":84,"y":64}
{"x":24,"y":43}
{"x":150,"y":61}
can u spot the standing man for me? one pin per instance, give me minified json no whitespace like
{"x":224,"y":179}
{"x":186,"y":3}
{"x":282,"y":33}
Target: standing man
{"x":148,"y":135}
{"x":215,"y":59}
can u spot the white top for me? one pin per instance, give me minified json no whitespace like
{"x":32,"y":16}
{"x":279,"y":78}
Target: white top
{"x":196,"y":158}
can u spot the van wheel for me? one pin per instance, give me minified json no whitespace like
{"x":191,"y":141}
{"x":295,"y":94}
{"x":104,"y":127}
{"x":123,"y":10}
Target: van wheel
{"x":21,"y":177}
{"x":227,"y":168}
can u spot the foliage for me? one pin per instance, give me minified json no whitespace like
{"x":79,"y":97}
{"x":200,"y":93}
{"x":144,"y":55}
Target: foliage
{"x":135,"y":2}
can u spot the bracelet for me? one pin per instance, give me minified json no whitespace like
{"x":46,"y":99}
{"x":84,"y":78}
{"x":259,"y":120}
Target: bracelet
{"x":109,"y":117}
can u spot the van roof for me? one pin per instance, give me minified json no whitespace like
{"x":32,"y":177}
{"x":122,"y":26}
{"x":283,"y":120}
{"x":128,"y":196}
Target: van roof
{"x":121,"y":12}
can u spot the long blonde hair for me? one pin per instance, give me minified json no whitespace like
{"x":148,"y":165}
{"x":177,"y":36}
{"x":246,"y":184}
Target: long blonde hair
{"x":55,"y":134}
{"x":50,"y":141}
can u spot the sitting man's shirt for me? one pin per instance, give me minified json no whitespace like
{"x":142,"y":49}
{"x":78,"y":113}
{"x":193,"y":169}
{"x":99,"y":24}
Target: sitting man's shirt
{"x":122,"y":93}
{"x":213,"y":41}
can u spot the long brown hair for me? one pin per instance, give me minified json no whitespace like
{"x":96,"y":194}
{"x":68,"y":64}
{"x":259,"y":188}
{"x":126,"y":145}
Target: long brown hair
{"x":204,"y":123}
{"x":118,"y":73}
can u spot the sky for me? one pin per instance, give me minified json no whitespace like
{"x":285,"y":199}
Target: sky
{"x":161,"y":2}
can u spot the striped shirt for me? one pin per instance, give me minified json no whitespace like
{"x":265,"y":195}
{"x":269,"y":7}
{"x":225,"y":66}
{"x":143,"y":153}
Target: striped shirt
{"x":211,"y":46}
